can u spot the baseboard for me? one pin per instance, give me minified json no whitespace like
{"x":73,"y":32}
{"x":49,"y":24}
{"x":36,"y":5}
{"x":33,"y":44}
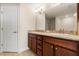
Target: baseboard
{"x":19,"y":51}
{"x":10,"y":51}
{"x":1,"y":51}
{"x":22,"y":50}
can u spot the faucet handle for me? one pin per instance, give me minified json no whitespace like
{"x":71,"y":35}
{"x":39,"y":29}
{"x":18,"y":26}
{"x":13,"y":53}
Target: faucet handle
{"x":63,"y":30}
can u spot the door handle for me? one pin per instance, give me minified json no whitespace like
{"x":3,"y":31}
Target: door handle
{"x":14,"y":32}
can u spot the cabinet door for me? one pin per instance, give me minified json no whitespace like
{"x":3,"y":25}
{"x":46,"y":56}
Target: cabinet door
{"x":47,"y":49}
{"x":33,"y":43}
{"x":59,"y":51}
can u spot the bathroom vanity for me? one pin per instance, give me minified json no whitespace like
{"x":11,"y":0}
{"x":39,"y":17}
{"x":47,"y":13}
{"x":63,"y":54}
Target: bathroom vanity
{"x":58,"y":43}
{"x":53,"y":44}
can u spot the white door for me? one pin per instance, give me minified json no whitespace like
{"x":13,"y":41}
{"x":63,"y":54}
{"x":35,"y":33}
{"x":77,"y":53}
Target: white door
{"x":0,"y":30}
{"x":10,"y":36}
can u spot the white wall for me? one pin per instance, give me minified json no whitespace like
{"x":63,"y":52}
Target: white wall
{"x":26,"y":23}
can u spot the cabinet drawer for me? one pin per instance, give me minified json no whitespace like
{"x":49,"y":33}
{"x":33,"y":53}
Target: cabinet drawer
{"x":39,"y":42}
{"x":39,"y":37}
{"x":48,"y":39}
{"x":39,"y":47}
{"x":67,"y":44}
{"x":39,"y":52}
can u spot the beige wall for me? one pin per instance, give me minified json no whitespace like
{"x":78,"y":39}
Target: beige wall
{"x":26,"y":23}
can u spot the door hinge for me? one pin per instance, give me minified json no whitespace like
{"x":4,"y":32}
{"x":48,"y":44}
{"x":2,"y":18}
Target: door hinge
{"x":1,"y":44}
{"x":1,"y":28}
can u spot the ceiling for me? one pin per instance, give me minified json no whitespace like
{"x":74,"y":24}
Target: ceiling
{"x":61,"y":9}
{"x":36,"y":6}
{"x":54,"y":9}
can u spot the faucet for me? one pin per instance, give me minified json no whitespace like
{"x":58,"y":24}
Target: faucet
{"x":61,"y":30}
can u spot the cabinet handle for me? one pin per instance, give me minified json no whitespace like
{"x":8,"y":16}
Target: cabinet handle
{"x":51,"y":46}
{"x":56,"y":48}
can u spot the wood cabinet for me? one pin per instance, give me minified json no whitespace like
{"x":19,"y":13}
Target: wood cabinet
{"x":39,"y":46}
{"x":47,"y":49}
{"x":32,"y":42}
{"x":52,"y":46}
{"x":39,"y":52}
{"x":59,"y":51}
{"x":35,"y":43}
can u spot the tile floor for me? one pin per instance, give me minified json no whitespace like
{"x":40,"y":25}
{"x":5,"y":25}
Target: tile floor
{"x":25,"y":53}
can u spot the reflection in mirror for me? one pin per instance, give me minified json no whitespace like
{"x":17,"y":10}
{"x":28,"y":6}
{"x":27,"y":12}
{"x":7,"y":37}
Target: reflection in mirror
{"x":62,"y":18}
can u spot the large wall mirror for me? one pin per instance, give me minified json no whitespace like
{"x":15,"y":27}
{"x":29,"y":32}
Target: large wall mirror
{"x":62,"y":18}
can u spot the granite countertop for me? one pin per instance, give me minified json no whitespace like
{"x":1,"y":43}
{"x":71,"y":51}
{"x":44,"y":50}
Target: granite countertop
{"x":58,"y":35}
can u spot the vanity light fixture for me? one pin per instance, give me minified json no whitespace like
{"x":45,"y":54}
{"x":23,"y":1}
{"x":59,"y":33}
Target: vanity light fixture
{"x":40,"y":10}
